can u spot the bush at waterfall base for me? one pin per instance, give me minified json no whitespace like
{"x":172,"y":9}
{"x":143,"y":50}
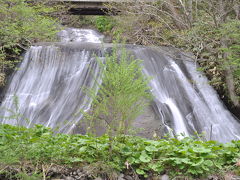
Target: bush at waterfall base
{"x":29,"y":150}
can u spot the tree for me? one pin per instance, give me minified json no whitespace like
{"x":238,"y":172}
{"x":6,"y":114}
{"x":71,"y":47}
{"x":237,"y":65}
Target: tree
{"x":122,"y":95}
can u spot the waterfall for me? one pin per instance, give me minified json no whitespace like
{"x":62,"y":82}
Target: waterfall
{"x":52,"y":80}
{"x":190,"y":103}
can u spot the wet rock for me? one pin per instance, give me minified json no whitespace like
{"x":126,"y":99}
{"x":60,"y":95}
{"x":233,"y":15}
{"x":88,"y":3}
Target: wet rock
{"x":230,"y":176}
{"x":148,"y":124}
{"x":213,"y":177}
{"x":236,"y":178}
{"x":165,"y":177}
{"x":54,"y":169}
{"x":98,"y":178}
{"x":79,"y":172}
{"x":107,"y":39}
{"x":121,"y":177}
{"x":69,"y":178}
{"x":128,"y":177}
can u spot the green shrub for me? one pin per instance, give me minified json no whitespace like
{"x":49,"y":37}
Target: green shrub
{"x":104,"y":23}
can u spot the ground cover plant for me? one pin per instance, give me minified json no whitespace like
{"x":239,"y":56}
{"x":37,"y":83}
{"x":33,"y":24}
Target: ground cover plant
{"x":29,"y":150}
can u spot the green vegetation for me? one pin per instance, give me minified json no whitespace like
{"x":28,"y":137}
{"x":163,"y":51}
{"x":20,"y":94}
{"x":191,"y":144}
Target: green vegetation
{"x":32,"y":148}
{"x":104,"y":23}
{"x":122,"y":95}
{"x":21,"y":24}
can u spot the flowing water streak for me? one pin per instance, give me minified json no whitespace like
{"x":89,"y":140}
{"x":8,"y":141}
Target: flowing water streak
{"x":51,"y":83}
{"x":223,"y":125}
{"x":80,"y":35}
{"x":165,"y":89}
{"x":184,"y":99}
{"x":179,"y":126}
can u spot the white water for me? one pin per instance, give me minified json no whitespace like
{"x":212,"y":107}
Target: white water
{"x":50,"y":85}
{"x":184,"y":99}
{"x":80,"y":35}
{"x":179,"y":126}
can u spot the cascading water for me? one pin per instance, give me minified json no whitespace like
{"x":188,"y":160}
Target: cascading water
{"x":52,"y":80}
{"x":184,"y":98}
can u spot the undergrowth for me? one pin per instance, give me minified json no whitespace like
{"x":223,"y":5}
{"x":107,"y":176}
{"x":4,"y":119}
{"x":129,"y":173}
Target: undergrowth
{"x":188,"y":157}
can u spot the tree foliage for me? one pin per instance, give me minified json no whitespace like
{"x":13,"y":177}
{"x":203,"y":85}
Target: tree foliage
{"x":21,"y":24}
{"x":123,"y":93}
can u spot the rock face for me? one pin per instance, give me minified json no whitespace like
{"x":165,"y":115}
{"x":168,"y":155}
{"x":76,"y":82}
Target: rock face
{"x":148,"y":124}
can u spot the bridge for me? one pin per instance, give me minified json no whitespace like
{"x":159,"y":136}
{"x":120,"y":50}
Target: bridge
{"x":92,"y":7}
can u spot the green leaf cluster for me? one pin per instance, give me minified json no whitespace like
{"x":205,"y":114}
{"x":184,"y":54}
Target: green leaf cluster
{"x":187,"y":157}
{"x":104,"y":23}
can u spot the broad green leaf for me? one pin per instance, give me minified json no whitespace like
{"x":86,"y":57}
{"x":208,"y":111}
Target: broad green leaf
{"x":140,"y":171}
{"x":144,"y":157}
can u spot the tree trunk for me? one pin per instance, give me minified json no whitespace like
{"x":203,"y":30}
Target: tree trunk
{"x":228,"y":68}
{"x":237,"y":11}
{"x":229,"y":76}
{"x":231,"y":86}
{"x":190,"y":11}
{"x":176,"y":16}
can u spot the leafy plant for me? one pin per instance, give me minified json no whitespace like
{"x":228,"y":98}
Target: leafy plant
{"x":104,"y":23}
{"x":189,"y":157}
